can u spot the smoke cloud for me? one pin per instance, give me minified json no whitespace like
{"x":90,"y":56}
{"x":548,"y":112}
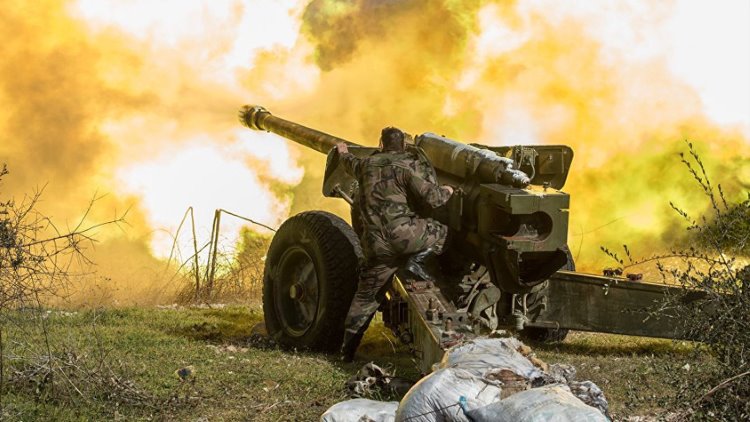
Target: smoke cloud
{"x":144,"y":116}
{"x":138,"y":101}
{"x":531,"y":73}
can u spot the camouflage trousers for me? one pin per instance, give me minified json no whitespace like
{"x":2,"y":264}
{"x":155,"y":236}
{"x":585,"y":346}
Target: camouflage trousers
{"x":383,"y":257}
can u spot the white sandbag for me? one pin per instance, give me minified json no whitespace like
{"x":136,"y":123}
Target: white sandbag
{"x":437,"y":397}
{"x":481,"y":355}
{"x":357,"y":410}
{"x":549,"y":403}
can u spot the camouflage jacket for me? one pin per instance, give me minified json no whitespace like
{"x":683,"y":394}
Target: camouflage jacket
{"x":390,"y":192}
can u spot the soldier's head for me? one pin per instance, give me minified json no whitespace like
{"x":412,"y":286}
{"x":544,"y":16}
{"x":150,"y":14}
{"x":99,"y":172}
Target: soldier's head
{"x":392,"y":139}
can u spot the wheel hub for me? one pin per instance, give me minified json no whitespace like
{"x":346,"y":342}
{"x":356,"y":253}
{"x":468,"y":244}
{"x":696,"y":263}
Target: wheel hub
{"x":296,"y":296}
{"x":297,"y":291}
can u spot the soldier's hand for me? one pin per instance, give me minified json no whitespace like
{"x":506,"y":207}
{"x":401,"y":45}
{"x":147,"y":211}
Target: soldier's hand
{"x":342,"y":148}
{"x":449,"y":189}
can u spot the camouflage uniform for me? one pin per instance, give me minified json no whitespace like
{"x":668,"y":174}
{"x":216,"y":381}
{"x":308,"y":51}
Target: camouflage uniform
{"x":389,"y":191}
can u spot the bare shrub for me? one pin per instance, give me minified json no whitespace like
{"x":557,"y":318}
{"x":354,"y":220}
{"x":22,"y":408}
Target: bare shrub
{"x":37,"y":262}
{"x":69,"y":376}
{"x":711,"y":268}
{"x":36,"y":256}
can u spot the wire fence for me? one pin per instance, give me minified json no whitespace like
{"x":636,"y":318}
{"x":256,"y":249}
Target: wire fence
{"x":220,"y":271}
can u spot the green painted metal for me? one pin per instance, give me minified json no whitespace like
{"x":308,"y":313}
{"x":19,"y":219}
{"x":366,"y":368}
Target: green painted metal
{"x":588,"y":302}
{"x":509,"y":220}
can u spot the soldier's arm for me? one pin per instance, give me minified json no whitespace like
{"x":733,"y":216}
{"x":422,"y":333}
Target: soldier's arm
{"x":431,"y":193}
{"x":351,"y":163}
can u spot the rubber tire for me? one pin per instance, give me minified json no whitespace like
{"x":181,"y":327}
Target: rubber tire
{"x":335,"y":253}
{"x":550,"y":335}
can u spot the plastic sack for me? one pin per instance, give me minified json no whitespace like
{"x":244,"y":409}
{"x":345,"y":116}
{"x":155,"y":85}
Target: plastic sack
{"x":358,"y":410}
{"x":591,"y":394}
{"x":372,"y":377}
{"x":549,"y":403}
{"x":437,"y":397}
{"x":482,"y":355}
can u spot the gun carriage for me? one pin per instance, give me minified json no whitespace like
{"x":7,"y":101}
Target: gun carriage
{"x":507,"y":264}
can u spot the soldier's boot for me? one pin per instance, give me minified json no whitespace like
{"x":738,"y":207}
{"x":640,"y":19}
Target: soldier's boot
{"x":350,"y":345}
{"x":418,"y":265}
{"x":352,"y":340}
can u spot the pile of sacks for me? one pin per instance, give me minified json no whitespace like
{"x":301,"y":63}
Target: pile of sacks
{"x":486,"y":380}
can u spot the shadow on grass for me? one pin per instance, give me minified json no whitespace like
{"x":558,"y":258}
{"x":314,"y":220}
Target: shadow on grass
{"x":228,"y":325}
{"x":380,"y":347}
{"x":234,"y":326}
{"x":580,"y":343}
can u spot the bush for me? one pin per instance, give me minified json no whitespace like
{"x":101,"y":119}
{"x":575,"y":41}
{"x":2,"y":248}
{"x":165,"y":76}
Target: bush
{"x":712,"y":268}
{"x":35,"y":266}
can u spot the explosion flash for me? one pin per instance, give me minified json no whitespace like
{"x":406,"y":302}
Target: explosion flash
{"x":139,"y":100}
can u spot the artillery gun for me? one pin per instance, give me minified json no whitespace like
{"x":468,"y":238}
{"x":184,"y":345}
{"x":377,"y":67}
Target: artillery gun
{"x":507,"y":264}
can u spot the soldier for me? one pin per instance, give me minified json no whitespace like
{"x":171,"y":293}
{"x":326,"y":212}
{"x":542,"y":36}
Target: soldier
{"x":389,"y":192}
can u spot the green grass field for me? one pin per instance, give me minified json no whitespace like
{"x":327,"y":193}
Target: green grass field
{"x":235,"y":378}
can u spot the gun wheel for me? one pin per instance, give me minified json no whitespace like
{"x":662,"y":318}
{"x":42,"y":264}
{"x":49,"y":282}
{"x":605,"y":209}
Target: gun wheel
{"x":309,"y":281}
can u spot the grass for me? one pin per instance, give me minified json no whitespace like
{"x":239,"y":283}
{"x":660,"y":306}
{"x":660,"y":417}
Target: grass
{"x":639,"y":376}
{"x":240,"y":379}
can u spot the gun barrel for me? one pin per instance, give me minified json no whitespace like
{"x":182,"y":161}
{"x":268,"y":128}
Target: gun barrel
{"x":445,"y":154}
{"x":258,"y":118}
